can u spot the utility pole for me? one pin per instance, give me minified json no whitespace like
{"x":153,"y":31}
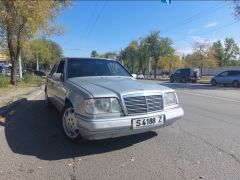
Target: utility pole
{"x":37,"y":62}
{"x":149,"y":61}
{"x":20,"y":65}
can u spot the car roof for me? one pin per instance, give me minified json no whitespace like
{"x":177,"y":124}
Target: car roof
{"x":232,"y":71}
{"x":90,"y":58}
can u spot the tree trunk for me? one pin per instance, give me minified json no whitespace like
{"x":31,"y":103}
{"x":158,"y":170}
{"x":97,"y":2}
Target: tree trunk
{"x":14,"y":72}
{"x":155,"y":70}
{"x":201,"y":66}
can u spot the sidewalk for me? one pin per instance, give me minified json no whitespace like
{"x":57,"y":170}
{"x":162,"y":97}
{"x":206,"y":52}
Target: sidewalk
{"x":12,"y":97}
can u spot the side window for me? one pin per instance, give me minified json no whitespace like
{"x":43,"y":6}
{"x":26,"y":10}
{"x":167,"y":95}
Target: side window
{"x":60,"y":68}
{"x":53,"y":69}
{"x":235,"y":73}
{"x":224,"y":74}
{"x":178,"y":71}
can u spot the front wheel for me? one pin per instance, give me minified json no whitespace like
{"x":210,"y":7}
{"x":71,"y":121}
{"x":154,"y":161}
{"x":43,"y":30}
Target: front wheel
{"x":213,"y":82}
{"x":70,"y":124}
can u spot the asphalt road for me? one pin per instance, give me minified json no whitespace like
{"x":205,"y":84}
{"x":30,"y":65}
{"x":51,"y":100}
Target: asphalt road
{"x":205,"y":144}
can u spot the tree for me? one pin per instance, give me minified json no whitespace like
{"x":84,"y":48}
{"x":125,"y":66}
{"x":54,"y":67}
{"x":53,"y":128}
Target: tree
{"x":236,"y":8}
{"x":22,"y":20}
{"x":226,"y":53}
{"x":166,"y":50}
{"x":94,"y":54}
{"x":143,"y":55}
{"x":109,"y":55}
{"x":153,"y":41}
{"x":231,"y":50}
{"x":167,"y":63}
{"x":129,"y":56}
{"x":192,"y":60}
{"x":45,"y":50}
{"x":201,"y":49}
{"x":218,"y":52}
{"x":211,"y":60}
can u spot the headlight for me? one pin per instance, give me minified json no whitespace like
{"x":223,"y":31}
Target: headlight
{"x":102,"y":105}
{"x":170,"y":99}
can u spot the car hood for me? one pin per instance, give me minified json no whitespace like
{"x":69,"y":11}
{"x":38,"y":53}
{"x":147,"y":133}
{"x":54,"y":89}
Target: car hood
{"x":116,"y":86}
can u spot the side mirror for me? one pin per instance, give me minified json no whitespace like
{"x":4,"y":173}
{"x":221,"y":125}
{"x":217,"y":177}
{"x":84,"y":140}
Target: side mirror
{"x":134,"y":76}
{"x":57,"y":77}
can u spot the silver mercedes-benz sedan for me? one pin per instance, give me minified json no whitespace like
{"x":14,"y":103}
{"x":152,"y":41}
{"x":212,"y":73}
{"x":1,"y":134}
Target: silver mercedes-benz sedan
{"x":99,"y":99}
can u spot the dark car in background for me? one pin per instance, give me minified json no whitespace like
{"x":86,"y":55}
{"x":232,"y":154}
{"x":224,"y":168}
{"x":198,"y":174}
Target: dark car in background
{"x":185,"y":75}
{"x":39,"y":73}
{"x":230,"y":77}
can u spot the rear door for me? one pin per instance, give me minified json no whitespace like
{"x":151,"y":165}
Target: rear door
{"x":177,"y":75}
{"x":223,"y":77}
{"x":233,"y":75}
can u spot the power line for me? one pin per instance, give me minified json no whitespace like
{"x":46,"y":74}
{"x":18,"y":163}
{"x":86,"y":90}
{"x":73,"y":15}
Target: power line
{"x":196,"y":16}
{"x":97,"y":18}
{"x":92,"y":15}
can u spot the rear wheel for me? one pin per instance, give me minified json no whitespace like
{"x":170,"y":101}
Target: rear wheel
{"x":236,"y":83}
{"x":70,"y":124}
{"x":213,"y":82}
{"x":183,"y":80}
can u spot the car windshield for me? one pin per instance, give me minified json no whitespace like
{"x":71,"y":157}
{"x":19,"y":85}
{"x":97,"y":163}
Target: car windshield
{"x":95,"y":67}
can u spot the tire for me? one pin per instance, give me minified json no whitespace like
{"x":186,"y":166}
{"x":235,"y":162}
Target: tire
{"x":236,"y":83}
{"x":194,"y":81}
{"x":213,"y":82}
{"x":171,"y":80}
{"x":70,"y":124}
{"x":183,"y":80}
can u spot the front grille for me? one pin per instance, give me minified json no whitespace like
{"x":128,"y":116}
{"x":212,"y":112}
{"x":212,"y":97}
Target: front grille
{"x":143,"y":104}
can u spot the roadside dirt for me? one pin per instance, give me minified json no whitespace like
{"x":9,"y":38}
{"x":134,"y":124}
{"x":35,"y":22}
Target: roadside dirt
{"x":9,"y":95}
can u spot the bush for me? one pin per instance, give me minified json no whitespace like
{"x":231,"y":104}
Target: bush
{"x":27,"y":78}
{"x":4,"y":81}
{"x":32,"y":79}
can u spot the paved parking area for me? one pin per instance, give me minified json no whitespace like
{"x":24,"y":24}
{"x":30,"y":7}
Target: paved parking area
{"x":205,"y":144}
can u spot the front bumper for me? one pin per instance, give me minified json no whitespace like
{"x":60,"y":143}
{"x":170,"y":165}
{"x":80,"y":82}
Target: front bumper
{"x":122,"y":126}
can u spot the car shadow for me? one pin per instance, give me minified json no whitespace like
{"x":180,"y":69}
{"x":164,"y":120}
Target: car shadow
{"x":36,"y":131}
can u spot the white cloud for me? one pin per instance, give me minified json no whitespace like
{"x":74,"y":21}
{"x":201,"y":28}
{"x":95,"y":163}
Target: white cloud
{"x":198,"y":38}
{"x":212,"y":24}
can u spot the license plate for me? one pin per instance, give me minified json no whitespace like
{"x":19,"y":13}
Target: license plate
{"x":146,"y":122}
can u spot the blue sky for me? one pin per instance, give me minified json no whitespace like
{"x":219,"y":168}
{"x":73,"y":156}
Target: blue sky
{"x":111,"y":25}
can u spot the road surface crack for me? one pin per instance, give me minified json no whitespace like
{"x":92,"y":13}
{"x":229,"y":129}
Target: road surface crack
{"x":212,"y":145}
{"x":73,"y":173}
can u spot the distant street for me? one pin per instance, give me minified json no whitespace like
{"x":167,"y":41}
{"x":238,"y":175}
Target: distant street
{"x":204,"y":144}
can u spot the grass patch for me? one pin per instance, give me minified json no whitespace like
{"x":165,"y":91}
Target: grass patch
{"x":32,"y":79}
{"x":27,"y":80}
{"x":4,"y":81}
